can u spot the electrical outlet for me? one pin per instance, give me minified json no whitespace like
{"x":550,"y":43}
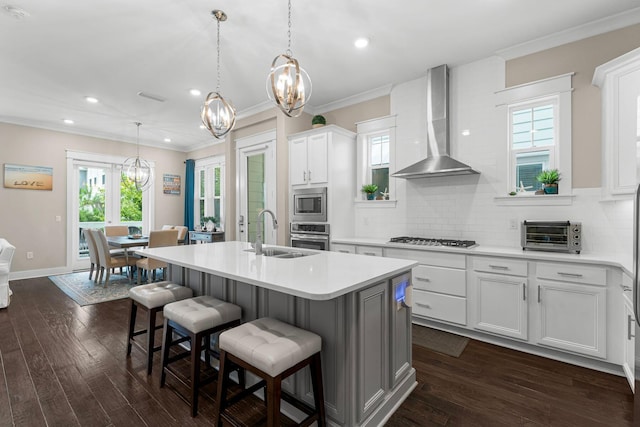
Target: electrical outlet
{"x":29,"y":255}
{"x":513,"y":224}
{"x":58,"y":218}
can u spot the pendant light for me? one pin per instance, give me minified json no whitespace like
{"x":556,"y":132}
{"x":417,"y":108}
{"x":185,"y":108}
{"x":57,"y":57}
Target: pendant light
{"x":136,"y":169}
{"x":218,"y":115}
{"x":288,"y":84}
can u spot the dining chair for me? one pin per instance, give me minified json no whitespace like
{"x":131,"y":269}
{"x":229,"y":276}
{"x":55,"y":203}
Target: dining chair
{"x":108,"y":260}
{"x":93,"y":253}
{"x":157,"y":239}
{"x":182,"y":233}
{"x":116,"y":230}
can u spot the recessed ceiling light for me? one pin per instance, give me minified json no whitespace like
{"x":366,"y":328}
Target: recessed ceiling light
{"x":167,"y":140}
{"x":361,"y":42}
{"x":466,"y":132}
{"x":91,"y":99}
{"x":194,"y":92}
{"x":68,"y":121}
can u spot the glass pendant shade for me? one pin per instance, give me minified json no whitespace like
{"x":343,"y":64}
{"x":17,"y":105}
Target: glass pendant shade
{"x":288,"y":85}
{"x":218,"y":115}
{"x":138,"y":170}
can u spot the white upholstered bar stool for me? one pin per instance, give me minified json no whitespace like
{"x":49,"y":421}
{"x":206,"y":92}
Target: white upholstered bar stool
{"x":152,"y":298}
{"x":195,"y":320}
{"x":272,"y":350}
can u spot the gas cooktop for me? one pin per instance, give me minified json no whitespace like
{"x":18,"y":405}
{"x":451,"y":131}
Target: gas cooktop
{"x":426,"y":241}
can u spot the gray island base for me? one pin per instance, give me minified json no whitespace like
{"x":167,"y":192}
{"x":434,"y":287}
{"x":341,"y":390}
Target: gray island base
{"x":349,"y":300}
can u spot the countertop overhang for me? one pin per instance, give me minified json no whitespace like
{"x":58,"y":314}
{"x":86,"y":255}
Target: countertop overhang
{"x":322,"y":276}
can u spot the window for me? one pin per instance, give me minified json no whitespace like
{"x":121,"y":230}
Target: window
{"x":532,"y":142}
{"x":209,"y":192}
{"x":538,"y":121}
{"x":375,"y":155}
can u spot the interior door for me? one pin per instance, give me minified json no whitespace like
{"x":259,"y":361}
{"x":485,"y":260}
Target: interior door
{"x":256,"y":186}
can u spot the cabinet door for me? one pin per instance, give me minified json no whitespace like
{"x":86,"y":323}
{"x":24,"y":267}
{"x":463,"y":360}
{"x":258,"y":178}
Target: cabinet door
{"x":318,"y":165}
{"x":501,"y":305}
{"x":572,"y":317}
{"x":343,"y":248}
{"x":298,"y":161}
{"x":628,"y":364}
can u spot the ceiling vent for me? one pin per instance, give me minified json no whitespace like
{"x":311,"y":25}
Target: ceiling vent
{"x":152,"y":96}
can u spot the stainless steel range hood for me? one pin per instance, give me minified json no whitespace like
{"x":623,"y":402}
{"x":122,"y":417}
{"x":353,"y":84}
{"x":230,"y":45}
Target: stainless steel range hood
{"x":438,"y":161}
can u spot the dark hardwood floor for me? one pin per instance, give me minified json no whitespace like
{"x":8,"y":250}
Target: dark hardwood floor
{"x":65,"y":365}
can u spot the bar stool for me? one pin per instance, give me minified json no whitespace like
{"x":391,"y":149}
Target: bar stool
{"x":272,"y":350}
{"x":152,"y":298}
{"x":195,"y":320}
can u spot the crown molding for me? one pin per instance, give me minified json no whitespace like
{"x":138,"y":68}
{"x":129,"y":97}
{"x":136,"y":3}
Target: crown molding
{"x":351,"y":100}
{"x":604,"y":25}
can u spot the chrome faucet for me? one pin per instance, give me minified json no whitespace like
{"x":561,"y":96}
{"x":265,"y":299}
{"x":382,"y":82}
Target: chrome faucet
{"x":258,"y":244}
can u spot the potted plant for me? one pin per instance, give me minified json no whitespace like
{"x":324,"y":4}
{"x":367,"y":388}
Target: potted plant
{"x":370,"y":189}
{"x":318,"y":121}
{"x":210,"y":222}
{"x":549,"y":178}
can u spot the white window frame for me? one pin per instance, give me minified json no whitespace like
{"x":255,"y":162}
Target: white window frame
{"x":365,"y":131}
{"x":560,"y":89}
{"x":208,"y":165}
{"x":552,"y":149}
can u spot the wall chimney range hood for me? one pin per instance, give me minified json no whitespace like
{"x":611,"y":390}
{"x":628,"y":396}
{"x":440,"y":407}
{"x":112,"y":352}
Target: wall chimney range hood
{"x":438,"y":161}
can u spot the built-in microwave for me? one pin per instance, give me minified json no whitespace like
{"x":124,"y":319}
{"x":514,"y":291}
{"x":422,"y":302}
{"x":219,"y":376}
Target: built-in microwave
{"x":555,"y":236}
{"x":309,"y":205}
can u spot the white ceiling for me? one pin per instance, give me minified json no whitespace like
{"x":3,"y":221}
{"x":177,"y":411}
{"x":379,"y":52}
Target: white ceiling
{"x":113,"y":49}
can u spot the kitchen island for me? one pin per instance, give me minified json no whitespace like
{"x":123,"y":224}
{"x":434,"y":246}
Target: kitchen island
{"x":349,"y":300}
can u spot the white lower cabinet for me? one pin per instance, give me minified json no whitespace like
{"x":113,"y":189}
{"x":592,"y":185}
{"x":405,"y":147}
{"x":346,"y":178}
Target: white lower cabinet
{"x":343,"y":248}
{"x":629,"y":340}
{"x":501,"y":302}
{"x":572,"y":312}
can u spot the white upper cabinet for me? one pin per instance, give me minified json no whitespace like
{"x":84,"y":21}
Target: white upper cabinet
{"x":309,"y":159}
{"x":619,"y":80}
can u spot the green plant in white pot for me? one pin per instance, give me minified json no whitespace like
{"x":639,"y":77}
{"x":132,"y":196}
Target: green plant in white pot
{"x":318,"y":121}
{"x":370,"y":189}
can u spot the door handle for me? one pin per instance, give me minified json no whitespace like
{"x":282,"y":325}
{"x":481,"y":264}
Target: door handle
{"x":524,"y":291}
{"x":498,"y":267}
{"x":630,"y":325}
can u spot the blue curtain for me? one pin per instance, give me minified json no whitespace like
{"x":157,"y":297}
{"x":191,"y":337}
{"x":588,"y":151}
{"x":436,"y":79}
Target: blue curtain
{"x":189,"y":188}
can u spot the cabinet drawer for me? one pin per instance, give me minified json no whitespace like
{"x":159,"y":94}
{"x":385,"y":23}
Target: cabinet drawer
{"x":369,"y":250}
{"x":440,"y":279}
{"x":440,"y":307}
{"x":573,"y":273}
{"x":439,"y":259}
{"x":342,"y":248}
{"x":500,"y":266}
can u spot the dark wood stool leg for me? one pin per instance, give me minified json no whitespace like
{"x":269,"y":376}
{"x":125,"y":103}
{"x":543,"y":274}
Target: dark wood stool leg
{"x":273,"y":396}
{"x":132,"y":324}
{"x":318,"y":389}
{"x":221,"y":395}
{"x":151,"y":337}
{"x":166,"y":343}
{"x":196,"y":350}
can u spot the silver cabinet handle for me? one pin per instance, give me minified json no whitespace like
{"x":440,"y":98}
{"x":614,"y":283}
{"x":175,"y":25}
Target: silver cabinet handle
{"x":626,"y":288}
{"x":578,"y":275}
{"x":630,"y":326}
{"x":539,"y":298}
{"x":304,"y":175}
{"x":419,"y":304}
{"x":524,"y":291}
{"x":499,"y":267}
{"x":344,"y":251}
{"x":309,"y":175}
{"x":369,"y":253}
{"x":422,"y":279}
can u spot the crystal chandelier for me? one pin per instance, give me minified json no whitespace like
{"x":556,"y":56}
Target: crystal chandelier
{"x":288,"y":84}
{"x":136,"y":169}
{"x":217,"y":114}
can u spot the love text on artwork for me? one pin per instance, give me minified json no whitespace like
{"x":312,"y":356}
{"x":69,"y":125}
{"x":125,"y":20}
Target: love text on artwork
{"x":28,"y":183}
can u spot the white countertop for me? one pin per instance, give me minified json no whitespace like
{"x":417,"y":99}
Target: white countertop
{"x":322,"y":276}
{"x":616,"y":260}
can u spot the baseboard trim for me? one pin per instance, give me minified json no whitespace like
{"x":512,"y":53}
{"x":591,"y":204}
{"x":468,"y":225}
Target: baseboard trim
{"x":32,"y":274}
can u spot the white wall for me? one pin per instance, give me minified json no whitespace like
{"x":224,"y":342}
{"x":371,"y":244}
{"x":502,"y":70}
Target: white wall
{"x":464,"y":206}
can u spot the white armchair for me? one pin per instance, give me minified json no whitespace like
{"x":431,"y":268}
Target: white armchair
{"x":6,"y":255}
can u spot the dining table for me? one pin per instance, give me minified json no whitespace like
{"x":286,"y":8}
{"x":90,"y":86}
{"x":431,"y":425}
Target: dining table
{"x":126,"y":243}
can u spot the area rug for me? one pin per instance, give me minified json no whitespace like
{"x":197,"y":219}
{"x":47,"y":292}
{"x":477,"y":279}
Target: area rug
{"x":84,"y":291}
{"x":442,"y":342}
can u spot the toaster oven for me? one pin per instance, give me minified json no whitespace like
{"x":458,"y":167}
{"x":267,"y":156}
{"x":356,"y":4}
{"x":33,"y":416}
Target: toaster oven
{"x":554,"y":236}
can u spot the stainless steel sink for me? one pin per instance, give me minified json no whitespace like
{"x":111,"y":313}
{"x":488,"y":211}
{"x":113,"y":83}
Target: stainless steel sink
{"x":282,"y":253}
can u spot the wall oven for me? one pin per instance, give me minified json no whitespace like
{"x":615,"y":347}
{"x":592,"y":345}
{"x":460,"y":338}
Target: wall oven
{"x":309,"y":205}
{"x":310,"y":236}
